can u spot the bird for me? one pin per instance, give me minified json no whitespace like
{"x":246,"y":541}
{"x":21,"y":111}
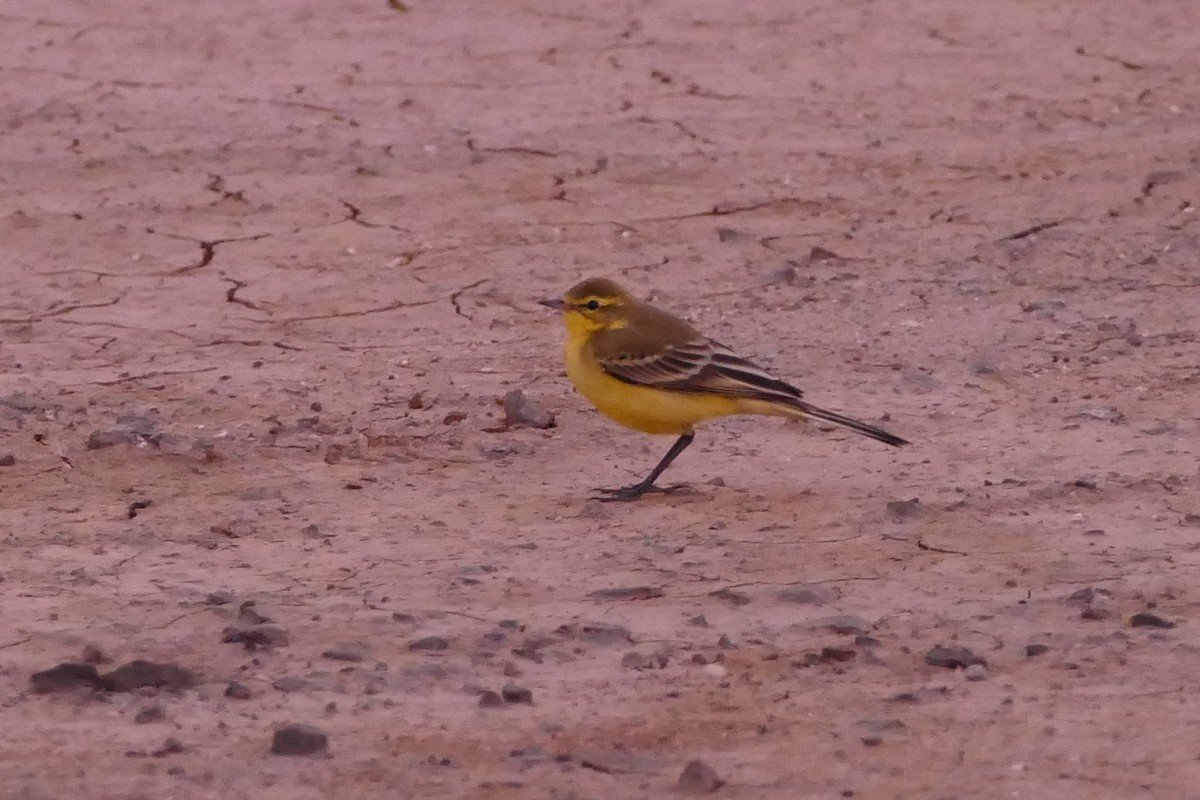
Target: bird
{"x":651,"y":371}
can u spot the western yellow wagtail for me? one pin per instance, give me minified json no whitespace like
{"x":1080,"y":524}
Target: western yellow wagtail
{"x":649,"y":370}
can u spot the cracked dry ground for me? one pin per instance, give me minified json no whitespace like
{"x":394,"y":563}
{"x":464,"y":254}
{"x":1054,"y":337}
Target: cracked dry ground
{"x":268,"y":267}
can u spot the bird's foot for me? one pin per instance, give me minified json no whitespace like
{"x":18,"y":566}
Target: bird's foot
{"x":625,"y":494}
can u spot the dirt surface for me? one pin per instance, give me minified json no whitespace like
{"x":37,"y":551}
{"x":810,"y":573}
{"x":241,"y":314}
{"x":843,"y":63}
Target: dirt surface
{"x":268,"y":268}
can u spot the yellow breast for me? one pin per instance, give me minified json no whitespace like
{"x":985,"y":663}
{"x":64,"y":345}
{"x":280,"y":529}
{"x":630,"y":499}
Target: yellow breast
{"x":642,"y":408}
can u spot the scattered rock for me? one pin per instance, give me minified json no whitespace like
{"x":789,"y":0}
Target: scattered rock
{"x":138,"y":674}
{"x":290,"y":683}
{"x":490,"y":699}
{"x":238,"y":691}
{"x":218,"y":598}
{"x":248,"y":614}
{"x":150,"y":714}
{"x":809,"y":595}
{"x":729,"y":595}
{"x":837,"y":654}
{"x":845,"y":624}
{"x":698,"y":778}
{"x":975,"y":672}
{"x":789,"y":274}
{"x":92,"y":654}
{"x":256,"y":636}
{"x":299,"y":740}
{"x":1032,"y":650}
{"x":627,"y":593}
{"x":874,"y":740}
{"x":521,"y":412}
{"x":698,"y":621}
{"x":600,"y":633}
{"x":171,"y":746}
{"x":346,"y":652}
{"x":952,"y":657}
{"x":1089,"y":594}
{"x":640,"y":661}
{"x":429,"y":643}
{"x":65,"y":677}
{"x":904,"y":510}
{"x":512,"y":693}
{"x":1101,"y":413}
{"x":1095,"y":613}
{"x":7,"y":460}
{"x":1148,"y":619}
{"x":729,"y":235}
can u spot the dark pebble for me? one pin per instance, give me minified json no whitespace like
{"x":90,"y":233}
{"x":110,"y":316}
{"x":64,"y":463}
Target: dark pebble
{"x":595,"y":632}
{"x":256,"y":636}
{"x":92,"y":654}
{"x":490,"y":699}
{"x":698,"y":778}
{"x":1147,"y":619}
{"x":64,"y":677}
{"x":834,"y":654}
{"x":730,"y":596}
{"x":238,"y":691}
{"x":842,"y":623}
{"x":169,"y":747}
{"x":952,"y":657}
{"x":289,"y":683}
{"x":511,"y":693}
{"x":429,"y":643}
{"x":627,"y":593}
{"x":248,"y":614}
{"x":1032,"y":650}
{"x":151,"y":714}
{"x":218,"y":598}
{"x":345,"y":652}
{"x":7,"y":460}
{"x":299,"y":740}
{"x":904,"y":510}
{"x":139,"y":674}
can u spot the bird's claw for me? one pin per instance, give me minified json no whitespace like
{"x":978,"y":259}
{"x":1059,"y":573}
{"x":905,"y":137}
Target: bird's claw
{"x":624,"y":494}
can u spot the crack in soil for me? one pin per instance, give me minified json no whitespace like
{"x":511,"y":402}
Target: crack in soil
{"x":457,"y":294}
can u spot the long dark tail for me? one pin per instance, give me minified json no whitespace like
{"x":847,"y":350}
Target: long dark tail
{"x":809,"y":410}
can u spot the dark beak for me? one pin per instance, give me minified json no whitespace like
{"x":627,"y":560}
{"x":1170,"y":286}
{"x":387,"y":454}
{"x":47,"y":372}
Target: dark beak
{"x":557,"y":303}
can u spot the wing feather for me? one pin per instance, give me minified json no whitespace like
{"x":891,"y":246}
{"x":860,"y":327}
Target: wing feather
{"x":700,"y":365}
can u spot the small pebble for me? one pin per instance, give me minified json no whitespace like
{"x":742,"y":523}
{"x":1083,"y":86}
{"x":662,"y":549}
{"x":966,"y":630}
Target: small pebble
{"x":238,"y":691}
{"x":1147,"y":619}
{"x":299,"y":740}
{"x":512,"y":693}
{"x":150,"y":714}
{"x":698,"y":777}
{"x":975,"y":672}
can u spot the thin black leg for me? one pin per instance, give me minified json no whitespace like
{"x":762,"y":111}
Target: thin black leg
{"x":638,"y":489}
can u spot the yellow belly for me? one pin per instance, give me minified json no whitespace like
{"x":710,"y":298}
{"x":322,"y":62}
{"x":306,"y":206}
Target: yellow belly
{"x":643,"y":408}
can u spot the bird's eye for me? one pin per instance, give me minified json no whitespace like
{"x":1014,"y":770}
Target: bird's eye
{"x":592,"y":305}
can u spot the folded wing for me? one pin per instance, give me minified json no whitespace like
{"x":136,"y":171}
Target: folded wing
{"x":700,"y":365}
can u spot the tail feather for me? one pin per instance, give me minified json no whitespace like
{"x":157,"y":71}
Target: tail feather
{"x":809,"y":410}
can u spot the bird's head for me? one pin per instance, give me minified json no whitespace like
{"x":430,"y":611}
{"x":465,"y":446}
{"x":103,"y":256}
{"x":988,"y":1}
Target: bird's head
{"x":592,"y":305}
